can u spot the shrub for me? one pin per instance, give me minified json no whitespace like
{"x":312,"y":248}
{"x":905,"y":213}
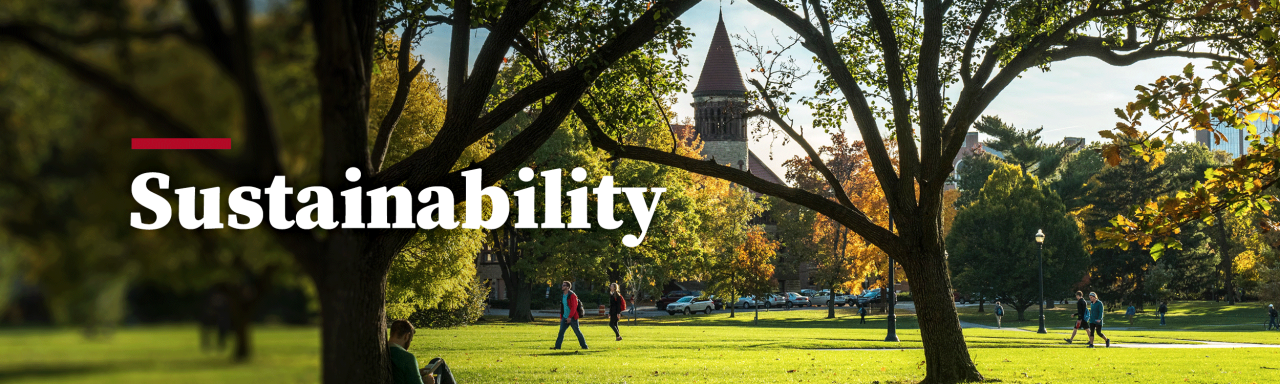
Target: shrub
{"x":442,"y":317}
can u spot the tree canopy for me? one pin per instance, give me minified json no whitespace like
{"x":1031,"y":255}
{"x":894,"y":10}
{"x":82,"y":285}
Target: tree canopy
{"x":992,"y":246}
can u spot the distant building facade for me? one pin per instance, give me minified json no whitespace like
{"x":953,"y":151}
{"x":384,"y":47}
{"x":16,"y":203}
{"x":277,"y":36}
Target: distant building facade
{"x":1237,"y":140}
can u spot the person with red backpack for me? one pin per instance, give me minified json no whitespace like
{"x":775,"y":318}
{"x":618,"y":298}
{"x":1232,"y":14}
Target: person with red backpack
{"x":570,"y":311}
{"x":617,"y":305}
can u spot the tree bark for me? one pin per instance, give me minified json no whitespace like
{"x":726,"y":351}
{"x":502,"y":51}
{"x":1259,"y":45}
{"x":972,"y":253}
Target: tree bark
{"x":831,"y":304}
{"x":1226,"y":259}
{"x":352,"y":297}
{"x":240,"y":318}
{"x":946,"y":353}
{"x":521,"y":295}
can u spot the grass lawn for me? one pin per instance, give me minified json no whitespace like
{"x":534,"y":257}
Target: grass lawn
{"x":786,"y":346}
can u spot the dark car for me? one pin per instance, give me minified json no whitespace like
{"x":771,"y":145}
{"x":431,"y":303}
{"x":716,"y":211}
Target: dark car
{"x":672,"y":296}
{"x":719,"y":304}
{"x":871,"y":297}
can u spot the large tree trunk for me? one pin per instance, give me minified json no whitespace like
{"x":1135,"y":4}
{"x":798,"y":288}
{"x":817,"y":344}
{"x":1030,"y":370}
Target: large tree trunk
{"x":946,"y":354}
{"x":521,"y":295}
{"x":1226,"y":259}
{"x":352,"y":294}
{"x":240,"y":319}
{"x":831,"y":304}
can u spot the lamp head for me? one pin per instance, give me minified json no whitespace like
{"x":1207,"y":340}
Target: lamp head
{"x":1040,"y":236}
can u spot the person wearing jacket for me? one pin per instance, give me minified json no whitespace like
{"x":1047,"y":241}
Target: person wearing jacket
{"x":1081,"y":315}
{"x":1163,"y":308}
{"x":570,"y":311}
{"x":1095,"y":319}
{"x":1271,"y":310}
{"x":617,"y":305}
{"x":999,"y":313}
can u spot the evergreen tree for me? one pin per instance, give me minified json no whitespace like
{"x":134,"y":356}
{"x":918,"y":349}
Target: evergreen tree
{"x":992,"y":246}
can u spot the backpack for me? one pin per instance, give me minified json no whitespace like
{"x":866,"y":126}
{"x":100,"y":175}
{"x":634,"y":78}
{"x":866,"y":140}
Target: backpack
{"x":623,"y":300}
{"x":582,"y":312}
{"x":999,"y":311}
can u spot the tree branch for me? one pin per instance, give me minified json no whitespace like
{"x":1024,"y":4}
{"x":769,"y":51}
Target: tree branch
{"x":432,"y":162}
{"x":908,"y":155}
{"x":405,"y":84}
{"x":852,"y":218}
{"x":814,"y":159}
{"x":822,"y":46}
{"x":974,"y":33}
{"x":459,"y":46}
{"x":158,"y":120}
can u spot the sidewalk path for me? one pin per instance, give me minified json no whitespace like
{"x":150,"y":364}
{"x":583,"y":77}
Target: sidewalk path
{"x":966,"y":324}
{"x":1202,"y":344}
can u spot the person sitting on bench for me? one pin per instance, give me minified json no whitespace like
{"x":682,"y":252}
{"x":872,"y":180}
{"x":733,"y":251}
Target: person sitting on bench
{"x":404,"y":366}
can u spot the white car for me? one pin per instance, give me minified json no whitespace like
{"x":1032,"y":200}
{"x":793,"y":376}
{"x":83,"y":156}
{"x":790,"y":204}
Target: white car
{"x":689,"y":305}
{"x":796,"y":299}
{"x":824,"y":298}
{"x":774,"y":300}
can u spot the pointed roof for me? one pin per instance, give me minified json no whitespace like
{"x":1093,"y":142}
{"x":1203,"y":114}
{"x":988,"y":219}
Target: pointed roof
{"x":759,"y":169}
{"x":720,"y":72}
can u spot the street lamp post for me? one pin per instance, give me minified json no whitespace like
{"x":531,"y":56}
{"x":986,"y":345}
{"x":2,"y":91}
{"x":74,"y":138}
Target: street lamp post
{"x":1040,"y":242}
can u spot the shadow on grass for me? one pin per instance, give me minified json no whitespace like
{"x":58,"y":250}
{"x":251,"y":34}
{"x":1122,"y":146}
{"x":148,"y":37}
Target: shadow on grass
{"x":42,"y":370}
{"x":568,"y":353}
{"x":52,"y":371}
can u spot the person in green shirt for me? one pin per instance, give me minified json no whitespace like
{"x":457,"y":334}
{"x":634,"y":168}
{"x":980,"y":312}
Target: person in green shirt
{"x":1095,"y":319}
{"x":404,"y":366}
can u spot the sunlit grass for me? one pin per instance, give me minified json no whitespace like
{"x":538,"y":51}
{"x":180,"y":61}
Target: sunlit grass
{"x":784,"y":346}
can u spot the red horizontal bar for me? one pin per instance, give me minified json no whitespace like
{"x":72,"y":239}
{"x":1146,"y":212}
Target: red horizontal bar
{"x":157,"y":143}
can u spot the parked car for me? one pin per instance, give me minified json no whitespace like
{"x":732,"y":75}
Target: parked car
{"x":824,"y":298}
{"x":719,"y":304}
{"x":689,"y":305}
{"x":808,"y":292}
{"x":970,"y":298}
{"x":871,"y":297}
{"x":774,"y":300}
{"x":797,"y":299}
{"x":672,"y":297}
{"x":747,"y":302}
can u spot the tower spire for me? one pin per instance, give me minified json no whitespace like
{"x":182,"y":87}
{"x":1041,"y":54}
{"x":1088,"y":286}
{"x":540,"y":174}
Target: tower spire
{"x":720,"y":74}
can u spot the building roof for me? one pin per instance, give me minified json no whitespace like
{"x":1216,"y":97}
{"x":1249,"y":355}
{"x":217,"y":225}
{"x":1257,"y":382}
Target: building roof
{"x":759,"y":169}
{"x":720,"y":72}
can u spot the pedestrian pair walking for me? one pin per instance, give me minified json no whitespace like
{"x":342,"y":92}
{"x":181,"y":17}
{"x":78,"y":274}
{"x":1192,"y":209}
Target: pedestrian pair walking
{"x":571,"y":310}
{"x":1089,"y":317}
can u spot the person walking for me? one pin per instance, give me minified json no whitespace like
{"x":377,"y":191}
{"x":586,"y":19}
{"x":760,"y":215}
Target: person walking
{"x":1271,"y":310}
{"x":570,"y":310}
{"x":1095,"y":320}
{"x":1081,"y":315}
{"x":617,"y":304}
{"x":862,"y":310}
{"x":999,"y":314}
{"x":1163,"y":308}
{"x":1130,"y":312}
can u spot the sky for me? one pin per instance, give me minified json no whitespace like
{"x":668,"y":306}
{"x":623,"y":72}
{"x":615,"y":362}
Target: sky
{"x":1075,"y":98}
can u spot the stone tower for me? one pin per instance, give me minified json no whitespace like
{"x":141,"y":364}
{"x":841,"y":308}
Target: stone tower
{"x":718,"y":103}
